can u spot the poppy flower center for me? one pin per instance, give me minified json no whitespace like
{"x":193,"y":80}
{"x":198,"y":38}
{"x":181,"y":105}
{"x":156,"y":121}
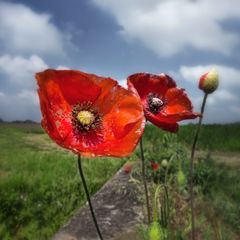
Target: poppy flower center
{"x":86,"y":118}
{"x":155,"y":103}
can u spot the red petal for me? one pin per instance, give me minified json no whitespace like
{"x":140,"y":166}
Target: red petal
{"x":124,"y":123}
{"x":74,"y":85}
{"x":55,"y":111}
{"x":145,"y":83}
{"x":202,"y":81}
{"x":178,"y":106}
{"x":125,"y":112}
{"x":163,"y":123}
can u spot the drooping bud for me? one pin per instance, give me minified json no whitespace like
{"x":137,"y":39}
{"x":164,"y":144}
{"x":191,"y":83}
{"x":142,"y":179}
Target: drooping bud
{"x":181,"y":180}
{"x":155,"y":231}
{"x":209,"y":81}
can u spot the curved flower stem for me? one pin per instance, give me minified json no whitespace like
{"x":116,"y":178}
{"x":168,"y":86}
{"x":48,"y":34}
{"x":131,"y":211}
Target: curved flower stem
{"x":144,"y":181}
{"x":193,"y":237}
{"x":88,"y":196}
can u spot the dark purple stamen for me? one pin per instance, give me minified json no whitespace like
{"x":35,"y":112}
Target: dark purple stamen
{"x":155,"y":103}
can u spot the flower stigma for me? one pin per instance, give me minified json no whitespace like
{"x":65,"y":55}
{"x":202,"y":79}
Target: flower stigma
{"x":85,"y":117}
{"x":154,"y":103}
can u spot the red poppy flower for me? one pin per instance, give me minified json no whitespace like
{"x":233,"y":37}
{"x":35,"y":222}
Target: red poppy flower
{"x":164,"y":104}
{"x":155,"y":166}
{"x":89,"y":114}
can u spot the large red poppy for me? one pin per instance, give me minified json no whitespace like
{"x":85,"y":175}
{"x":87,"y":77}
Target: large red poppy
{"x":89,"y":114}
{"x":164,"y":104}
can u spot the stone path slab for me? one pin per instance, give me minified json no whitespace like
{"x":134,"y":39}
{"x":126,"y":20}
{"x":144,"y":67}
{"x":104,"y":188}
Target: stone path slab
{"x":118,"y":210}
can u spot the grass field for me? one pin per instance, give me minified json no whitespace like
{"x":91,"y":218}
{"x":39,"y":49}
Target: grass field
{"x":40,"y":186}
{"x":213,"y":137}
{"x":216,"y":176}
{"x":39,"y":182}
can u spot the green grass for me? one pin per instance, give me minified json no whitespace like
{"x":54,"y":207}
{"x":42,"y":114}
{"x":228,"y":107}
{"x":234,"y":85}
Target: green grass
{"x":216,"y":176}
{"x":214,"y":137}
{"x":40,"y":186}
{"x":218,"y":198}
{"x":227,"y":196}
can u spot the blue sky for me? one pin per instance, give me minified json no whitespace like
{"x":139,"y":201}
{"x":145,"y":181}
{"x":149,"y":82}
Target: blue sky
{"x":183,"y":38}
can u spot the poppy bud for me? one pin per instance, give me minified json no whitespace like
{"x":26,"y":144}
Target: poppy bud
{"x":181,"y":180}
{"x":209,"y":81}
{"x":164,"y":163}
{"x":155,"y":231}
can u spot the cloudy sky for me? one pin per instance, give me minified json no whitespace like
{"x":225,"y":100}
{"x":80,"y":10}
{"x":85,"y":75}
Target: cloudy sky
{"x":183,"y":38}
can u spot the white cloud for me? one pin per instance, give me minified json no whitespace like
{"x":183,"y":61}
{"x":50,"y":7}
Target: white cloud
{"x":221,"y":97}
{"x":21,"y":102}
{"x":169,"y":26}
{"x":20,"y":70}
{"x":19,"y":107}
{"x":60,"y":67}
{"x":229,"y":77}
{"x":24,"y":31}
{"x":28,"y":95}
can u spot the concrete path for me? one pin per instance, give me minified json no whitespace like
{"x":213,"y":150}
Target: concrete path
{"x":118,"y":210}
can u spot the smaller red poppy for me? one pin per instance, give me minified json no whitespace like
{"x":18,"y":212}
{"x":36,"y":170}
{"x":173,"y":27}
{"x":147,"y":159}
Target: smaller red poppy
{"x":164,"y":104}
{"x":155,"y":166}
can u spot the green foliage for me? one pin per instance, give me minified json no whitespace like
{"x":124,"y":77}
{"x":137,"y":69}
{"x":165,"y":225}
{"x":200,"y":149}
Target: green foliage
{"x":217,"y":187}
{"x":217,"y":137}
{"x":214,"y":137}
{"x":204,"y":174}
{"x":220,"y":185}
{"x":224,"y":194}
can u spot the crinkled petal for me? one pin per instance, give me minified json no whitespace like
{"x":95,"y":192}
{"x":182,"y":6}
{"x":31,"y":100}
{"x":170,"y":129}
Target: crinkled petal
{"x":179,"y":106}
{"x":124,"y":123}
{"x":145,"y":83}
{"x":75,"y":86}
{"x":55,"y":111}
{"x":163,"y":123}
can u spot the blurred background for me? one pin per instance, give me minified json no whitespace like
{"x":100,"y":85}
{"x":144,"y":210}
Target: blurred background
{"x":183,"y":38}
{"x":40,"y":187}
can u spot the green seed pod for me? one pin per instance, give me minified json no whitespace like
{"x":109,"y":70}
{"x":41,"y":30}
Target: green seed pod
{"x":181,"y":180}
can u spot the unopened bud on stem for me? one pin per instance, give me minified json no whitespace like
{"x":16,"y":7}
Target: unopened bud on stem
{"x":209,"y":81}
